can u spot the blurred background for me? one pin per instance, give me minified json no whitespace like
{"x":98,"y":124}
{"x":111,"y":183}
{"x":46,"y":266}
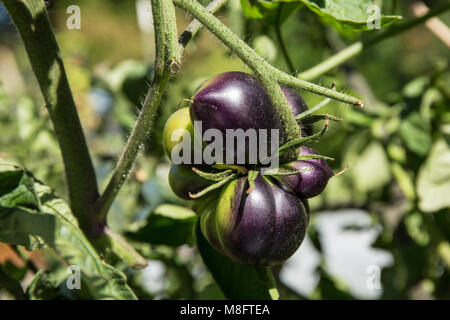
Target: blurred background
{"x":380,"y":230}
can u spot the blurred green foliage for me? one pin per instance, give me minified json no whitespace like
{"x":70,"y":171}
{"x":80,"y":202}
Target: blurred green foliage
{"x":397,"y":149}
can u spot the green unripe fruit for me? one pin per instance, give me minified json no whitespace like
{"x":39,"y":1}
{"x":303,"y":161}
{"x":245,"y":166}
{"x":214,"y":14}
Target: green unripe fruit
{"x":178,"y":120}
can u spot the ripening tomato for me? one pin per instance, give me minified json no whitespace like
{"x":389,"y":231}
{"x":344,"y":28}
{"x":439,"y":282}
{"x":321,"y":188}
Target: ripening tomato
{"x":179,"y":120}
{"x":264,"y":227}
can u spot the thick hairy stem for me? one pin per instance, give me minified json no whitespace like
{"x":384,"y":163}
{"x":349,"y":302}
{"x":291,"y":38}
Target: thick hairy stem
{"x":173,"y":52}
{"x":261,"y":68}
{"x":360,"y":46}
{"x":31,"y":20}
{"x":252,"y":59}
{"x":144,"y":122}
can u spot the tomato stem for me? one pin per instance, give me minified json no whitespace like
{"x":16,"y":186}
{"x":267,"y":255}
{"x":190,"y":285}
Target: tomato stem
{"x":261,"y":67}
{"x":145,"y":120}
{"x":147,"y":114}
{"x":172,"y":47}
{"x":300,"y":142}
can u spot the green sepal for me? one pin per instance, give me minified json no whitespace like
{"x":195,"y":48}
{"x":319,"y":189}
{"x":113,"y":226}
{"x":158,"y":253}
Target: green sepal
{"x":252,"y":175}
{"x":278,"y":173}
{"x":318,"y":117}
{"x":213,"y":186}
{"x":293,"y":144}
{"x":313,"y":157}
{"x":239,"y":169}
{"x":218,"y":176}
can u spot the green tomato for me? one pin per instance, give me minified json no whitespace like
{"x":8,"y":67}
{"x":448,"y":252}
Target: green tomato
{"x":180,"y":119}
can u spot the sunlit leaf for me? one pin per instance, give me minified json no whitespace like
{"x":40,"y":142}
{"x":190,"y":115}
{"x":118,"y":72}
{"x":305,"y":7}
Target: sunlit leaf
{"x":350,"y":15}
{"x":267,"y":11}
{"x":416,"y":133}
{"x":33,"y":216}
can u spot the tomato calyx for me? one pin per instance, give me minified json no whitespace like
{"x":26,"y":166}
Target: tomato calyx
{"x":313,"y":118}
{"x":294,"y":144}
{"x":213,"y":187}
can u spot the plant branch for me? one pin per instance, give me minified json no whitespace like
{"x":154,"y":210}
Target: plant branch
{"x":310,"y":111}
{"x":170,"y":21}
{"x":360,"y":46}
{"x":253,"y":60}
{"x":31,"y":20}
{"x":286,"y":56}
{"x":146,"y":117}
{"x":256,"y":62}
{"x":115,"y":242}
{"x":269,"y":75}
{"x":147,"y":114}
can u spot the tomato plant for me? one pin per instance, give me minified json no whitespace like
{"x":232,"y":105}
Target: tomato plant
{"x":349,"y":111}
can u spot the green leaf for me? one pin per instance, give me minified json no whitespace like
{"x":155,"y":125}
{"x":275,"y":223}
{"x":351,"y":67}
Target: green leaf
{"x":349,"y":15}
{"x":266,"y":11}
{"x":235,"y":280}
{"x":168,"y":224}
{"x":433,"y":182}
{"x":415,"y":131}
{"x":33,"y":216}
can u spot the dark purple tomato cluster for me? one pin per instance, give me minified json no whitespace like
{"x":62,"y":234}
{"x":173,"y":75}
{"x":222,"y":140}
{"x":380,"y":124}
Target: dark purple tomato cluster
{"x":253,"y":219}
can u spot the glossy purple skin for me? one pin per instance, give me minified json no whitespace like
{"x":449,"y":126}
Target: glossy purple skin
{"x":236,"y":100}
{"x":298,"y":105}
{"x":264,"y":227}
{"x":310,"y":183}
